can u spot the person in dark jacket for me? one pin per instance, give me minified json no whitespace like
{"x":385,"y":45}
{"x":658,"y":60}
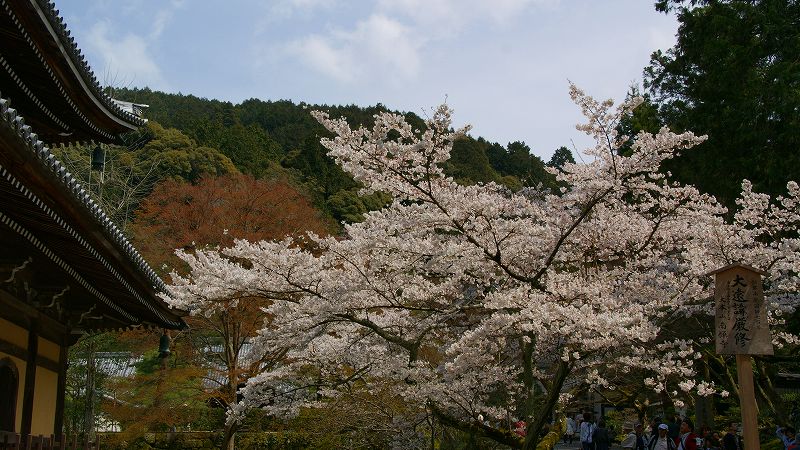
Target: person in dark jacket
{"x":661,"y":440}
{"x":600,"y":437}
{"x":731,"y":441}
{"x":641,"y":441}
{"x":674,"y":427}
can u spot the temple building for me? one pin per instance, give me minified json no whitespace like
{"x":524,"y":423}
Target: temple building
{"x":65,"y":268}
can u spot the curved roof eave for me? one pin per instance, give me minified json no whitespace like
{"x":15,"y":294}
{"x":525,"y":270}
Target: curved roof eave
{"x":51,"y":43}
{"x":72,"y":187}
{"x":77,"y":62}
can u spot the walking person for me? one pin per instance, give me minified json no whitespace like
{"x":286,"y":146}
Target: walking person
{"x":630,"y":439}
{"x":652,"y":430}
{"x":788,"y":436}
{"x":601,"y":437}
{"x":716,"y":441}
{"x":586,"y":432}
{"x":705,"y":437}
{"x":636,"y":439}
{"x":674,"y":426}
{"x":570,"y":434}
{"x":731,"y":441}
{"x":641,"y":439}
{"x":661,"y":441}
{"x":687,"y":439}
{"x":711,"y":440}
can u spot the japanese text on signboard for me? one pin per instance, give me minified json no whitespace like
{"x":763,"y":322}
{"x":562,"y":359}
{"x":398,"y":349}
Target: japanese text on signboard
{"x":741,"y":317}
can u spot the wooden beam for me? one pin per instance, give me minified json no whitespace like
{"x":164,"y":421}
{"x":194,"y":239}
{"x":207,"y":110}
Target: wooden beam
{"x":16,"y":351}
{"x":747,"y":401}
{"x":21,"y":314}
{"x":30,"y":379}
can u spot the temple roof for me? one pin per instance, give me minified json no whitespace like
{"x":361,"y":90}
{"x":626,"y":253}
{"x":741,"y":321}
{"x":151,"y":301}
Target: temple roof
{"x":50,"y":211}
{"x":44,"y":72}
{"x":62,"y":255}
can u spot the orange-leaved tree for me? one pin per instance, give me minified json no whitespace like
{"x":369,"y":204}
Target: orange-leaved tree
{"x":215,"y":211}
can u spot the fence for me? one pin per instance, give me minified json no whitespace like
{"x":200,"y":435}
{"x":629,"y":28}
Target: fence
{"x":15,"y":441}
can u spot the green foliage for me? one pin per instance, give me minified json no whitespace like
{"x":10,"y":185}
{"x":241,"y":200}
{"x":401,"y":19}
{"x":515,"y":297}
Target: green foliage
{"x":518,"y":166}
{"x":561,"y":156}
{"x":733,"y":75}
{"x":469,"y":162}
{"x":83,"y":375}
{"x":348,"y":206}
{"x":163,"y":441}
{"x":178,"y":157}
{"x":277,"y":441}
{"x":316,"y":167}
{"x":644,"y":118}
{"x":281,"y":139}
{"x":250,"y":148}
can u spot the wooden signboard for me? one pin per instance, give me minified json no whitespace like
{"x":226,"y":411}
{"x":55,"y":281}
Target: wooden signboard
{"x":741,"y":329}
{"x":741,"y":315}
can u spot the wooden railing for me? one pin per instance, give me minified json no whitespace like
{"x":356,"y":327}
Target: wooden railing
{"x":15,"y":441}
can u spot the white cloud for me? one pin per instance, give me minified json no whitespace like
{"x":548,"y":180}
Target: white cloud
{"x":389,"y":43}
{"x":286,"y":8}
{"x":316,"y":52}
{"x":449,"y":17}
{"x":377,"y":47}
{"x":126,"y":60}
{"x":163,"y":17}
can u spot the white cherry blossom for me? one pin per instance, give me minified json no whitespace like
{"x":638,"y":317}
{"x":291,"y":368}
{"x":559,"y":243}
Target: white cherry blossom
{"x":453,"y":294}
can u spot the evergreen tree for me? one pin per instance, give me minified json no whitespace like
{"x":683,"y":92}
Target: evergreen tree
{"x":732,"y":75}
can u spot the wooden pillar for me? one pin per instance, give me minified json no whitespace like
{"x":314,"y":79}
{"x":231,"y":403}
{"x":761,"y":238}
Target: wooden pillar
{"x":747,"y":401}
{"x":30,"y":378}
{"x":63,"y":354}
{"x":88,"y":410}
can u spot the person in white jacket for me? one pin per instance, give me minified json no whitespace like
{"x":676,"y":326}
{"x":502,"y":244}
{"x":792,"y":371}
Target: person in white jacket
{"x":586,"y":432}
{"x":570,"y":432}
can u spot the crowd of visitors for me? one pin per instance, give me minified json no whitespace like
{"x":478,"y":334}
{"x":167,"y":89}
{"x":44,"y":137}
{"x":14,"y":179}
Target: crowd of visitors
{"x":674,"y":433}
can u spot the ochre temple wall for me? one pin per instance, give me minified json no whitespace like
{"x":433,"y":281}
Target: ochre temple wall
{"x":44,"y":402}
{"x":46,"y":385}
{"x":48,"y":349}
{"x":13,"y":333}
{"x":18,"y":336}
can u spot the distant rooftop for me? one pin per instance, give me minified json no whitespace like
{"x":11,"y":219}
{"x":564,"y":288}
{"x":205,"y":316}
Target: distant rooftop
{"x":132,"y":108}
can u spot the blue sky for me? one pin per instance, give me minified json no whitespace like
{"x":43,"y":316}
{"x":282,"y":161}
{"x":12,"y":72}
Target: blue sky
{"x":503,"y":65}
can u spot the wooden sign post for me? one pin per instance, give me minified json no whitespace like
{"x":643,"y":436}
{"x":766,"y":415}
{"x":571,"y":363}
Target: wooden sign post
{"x":741,"y":329}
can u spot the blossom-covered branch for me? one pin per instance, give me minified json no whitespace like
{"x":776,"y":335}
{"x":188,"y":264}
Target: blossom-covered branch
{"x":455,"y":293}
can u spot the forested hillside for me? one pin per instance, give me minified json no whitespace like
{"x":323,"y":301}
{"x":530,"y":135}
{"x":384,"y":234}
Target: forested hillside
{"x":281,"y":139}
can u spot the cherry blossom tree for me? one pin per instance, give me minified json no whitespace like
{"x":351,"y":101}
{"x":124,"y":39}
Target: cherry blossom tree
{"x":211,"y":213}
{"x":474,"y":301}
